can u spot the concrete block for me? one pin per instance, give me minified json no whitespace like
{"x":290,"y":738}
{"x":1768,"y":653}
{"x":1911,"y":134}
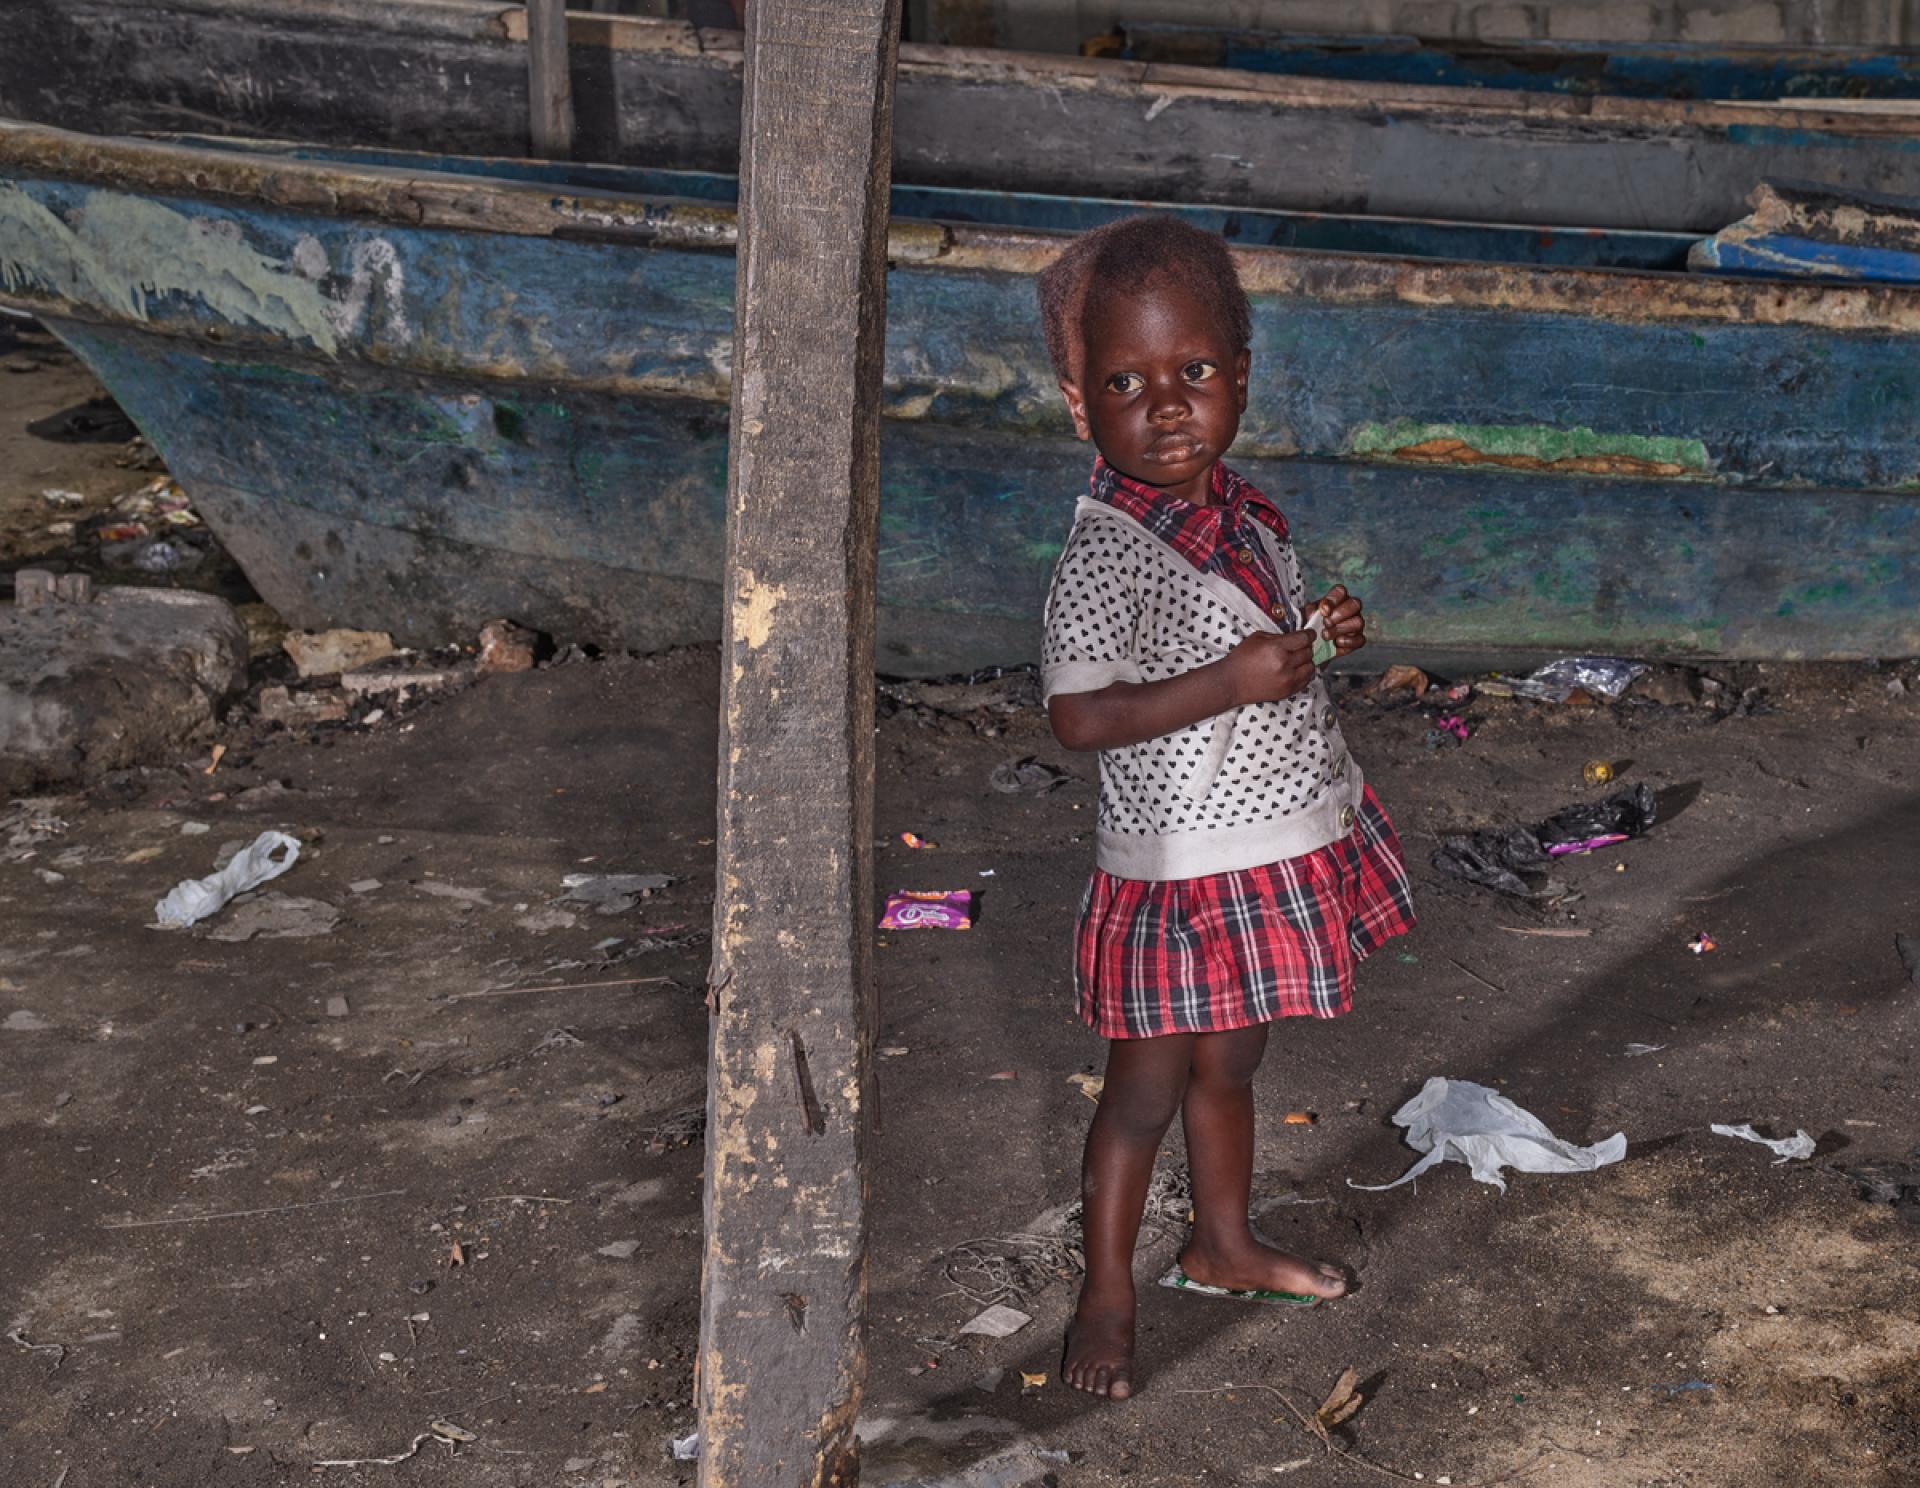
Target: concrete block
{"x":1430,"y":18}
{"x":1757,"y":21}
{"x":1505,"y":22}
{"x":131,"y":677}
{"x":1602,"y":22}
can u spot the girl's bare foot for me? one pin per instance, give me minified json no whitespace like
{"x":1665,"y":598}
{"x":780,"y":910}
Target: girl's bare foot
{"x":1250,"y":1266}
{"x":1099,"y":1355}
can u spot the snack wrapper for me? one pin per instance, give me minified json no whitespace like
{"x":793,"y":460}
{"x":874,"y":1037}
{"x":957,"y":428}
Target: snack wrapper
{"x":929,"y":909}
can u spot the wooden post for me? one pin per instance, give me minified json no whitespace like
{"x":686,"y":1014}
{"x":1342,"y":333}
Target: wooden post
{"x":549,"y":80}
{"x":784,"y":1286}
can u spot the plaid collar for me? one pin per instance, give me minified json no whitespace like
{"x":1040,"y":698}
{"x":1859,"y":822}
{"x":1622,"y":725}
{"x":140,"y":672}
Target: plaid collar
{"x":1216,"y":539}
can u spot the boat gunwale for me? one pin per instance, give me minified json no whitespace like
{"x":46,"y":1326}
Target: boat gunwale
{"x":490,"y":20}
{"x":429,"y":200}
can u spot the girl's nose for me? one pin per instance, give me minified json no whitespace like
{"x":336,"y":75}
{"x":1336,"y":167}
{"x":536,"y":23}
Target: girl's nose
{"x":1170,"y":401}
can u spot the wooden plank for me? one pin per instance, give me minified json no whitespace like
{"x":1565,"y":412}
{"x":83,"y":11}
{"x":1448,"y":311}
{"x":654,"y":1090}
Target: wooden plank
{"x":784,"y":1283}
{"x":549,"y":80}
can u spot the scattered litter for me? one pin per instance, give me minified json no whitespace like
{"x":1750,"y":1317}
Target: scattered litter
{"x":1908,"y":949}
{"x":1004,"y":1075}
{"x":363,"y":886}
{"x":1638,"y":1051}
{"x":1397,"y":678}
{"x":1453,"y":724}
{"x":164,"y":555}
{"x":998,"y":1321}
{"x":1550,"y":932}
{"x":914,"y":840}
{"x":1293,"y":1466}
{"x":1574,"y":679}
{"x":619,"y":1250}
{"x":931,"y":909}
{"x":1090,"y":1085}
{"x":1300,"y":1118}
{"x":686,"y":1448}
{"x":612,"y":893}
{"x":1702,"y":943}
{"x":1030,"y":776}
{"x":194,"y":899}
{"x":1503,"y":859}
{"x":1686,"y":1386}
{"x":1888,"y":1181}
{"x":337,"y":1007}
{"x":62,"y":500}
{"x":986,"y":873}
{"x":194,"y":829}
{"x":277,"y":917}
{"x":1469,"y":1123}
{"x":1785,"y":1150}
{"x":1031,"y":1382}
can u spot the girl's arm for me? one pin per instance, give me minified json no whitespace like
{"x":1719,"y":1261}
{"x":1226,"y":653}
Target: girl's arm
{"x":1264,"y":668}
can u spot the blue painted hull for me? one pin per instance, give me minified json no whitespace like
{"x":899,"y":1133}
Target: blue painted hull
{"x":421,"y":427}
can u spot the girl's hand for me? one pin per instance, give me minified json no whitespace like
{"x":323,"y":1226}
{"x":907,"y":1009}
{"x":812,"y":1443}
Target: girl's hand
{"x":1267,"y":668}
{"x":1346,"y":627}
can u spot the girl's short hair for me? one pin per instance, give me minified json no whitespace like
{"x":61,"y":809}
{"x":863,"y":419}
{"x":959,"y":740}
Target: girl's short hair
{"x":1125,"y":255}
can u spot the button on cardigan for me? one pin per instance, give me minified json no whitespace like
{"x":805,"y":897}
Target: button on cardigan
{"x":1254,"y":785}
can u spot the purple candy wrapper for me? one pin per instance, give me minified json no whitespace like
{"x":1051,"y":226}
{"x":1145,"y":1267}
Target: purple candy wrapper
{"x":929,"y":909}
{"x":1561,"y":849}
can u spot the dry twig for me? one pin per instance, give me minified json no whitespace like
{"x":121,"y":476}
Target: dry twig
{"x":142,"y":1224}
{"x":558,"y":987}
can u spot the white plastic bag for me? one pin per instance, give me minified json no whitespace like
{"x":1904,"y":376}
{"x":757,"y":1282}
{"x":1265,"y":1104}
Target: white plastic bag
{"x":1480,"y":1127}
{"x":193,"y":899}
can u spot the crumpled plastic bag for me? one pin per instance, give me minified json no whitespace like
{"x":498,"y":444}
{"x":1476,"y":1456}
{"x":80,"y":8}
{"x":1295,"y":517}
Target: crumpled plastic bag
{"x":1785,"y":1150}
{"x":1502,"y":858}
{"x":1601,"y":677}
{"x":1472,"y":1124}
{"x":193,"y":899}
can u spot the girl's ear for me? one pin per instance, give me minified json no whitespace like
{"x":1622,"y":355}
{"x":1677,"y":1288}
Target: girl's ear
{"x":1242,"y":365}
{"x":1077,"y":405}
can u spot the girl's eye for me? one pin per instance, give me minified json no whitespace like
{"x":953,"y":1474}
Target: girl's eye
{"x":1125,"y":382}
{"x":1198,"y":371}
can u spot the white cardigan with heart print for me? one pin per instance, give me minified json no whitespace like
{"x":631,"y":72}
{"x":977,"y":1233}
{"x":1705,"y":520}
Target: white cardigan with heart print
{"x":1252,"y":786}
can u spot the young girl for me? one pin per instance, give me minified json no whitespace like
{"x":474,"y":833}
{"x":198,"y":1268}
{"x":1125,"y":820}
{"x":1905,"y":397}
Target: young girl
{"x":1243,"y":867}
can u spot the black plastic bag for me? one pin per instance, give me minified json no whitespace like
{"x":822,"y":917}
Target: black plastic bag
{"x":1514,"y":860}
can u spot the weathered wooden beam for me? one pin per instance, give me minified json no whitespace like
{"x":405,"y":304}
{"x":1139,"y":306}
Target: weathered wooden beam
{"x":549,"y":80}
{"x":784,"y":1287}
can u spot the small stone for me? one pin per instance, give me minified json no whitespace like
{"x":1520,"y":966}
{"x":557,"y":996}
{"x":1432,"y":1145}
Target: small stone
{"x":268,"y":1059}
{"x":327,"y":652}
{"x":619,"y":1250}
{"x":337,"y":1007}
{"x":258,"y":1110}
{"x":506,"y":647}
{"x":64,"y":1098}
{"x":364,"y":885}
{"x":420,"y":1288}
{"x":23,"y":1021}
{"x":194,"y":829}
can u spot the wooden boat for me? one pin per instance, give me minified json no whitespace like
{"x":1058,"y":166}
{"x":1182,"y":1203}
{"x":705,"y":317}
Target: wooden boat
{"x":415,"y":398}
{"x":450,"y":75}
{"x":1742,"y":74}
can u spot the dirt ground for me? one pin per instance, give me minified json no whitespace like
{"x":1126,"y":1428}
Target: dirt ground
{"x":244,"y":1235}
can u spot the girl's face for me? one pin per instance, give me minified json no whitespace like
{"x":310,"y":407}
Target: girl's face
{"x":1162,"y":388}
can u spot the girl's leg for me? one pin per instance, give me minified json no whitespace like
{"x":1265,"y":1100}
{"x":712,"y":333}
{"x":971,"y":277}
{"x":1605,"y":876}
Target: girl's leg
{"x":1146,"y":1079}
{"x":1218,"y":1116}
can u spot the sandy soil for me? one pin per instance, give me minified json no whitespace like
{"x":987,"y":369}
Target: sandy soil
{"x":242,"y":1237}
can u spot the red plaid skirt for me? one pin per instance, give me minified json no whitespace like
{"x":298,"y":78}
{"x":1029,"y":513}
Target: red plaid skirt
{"x":1203,"y":955}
